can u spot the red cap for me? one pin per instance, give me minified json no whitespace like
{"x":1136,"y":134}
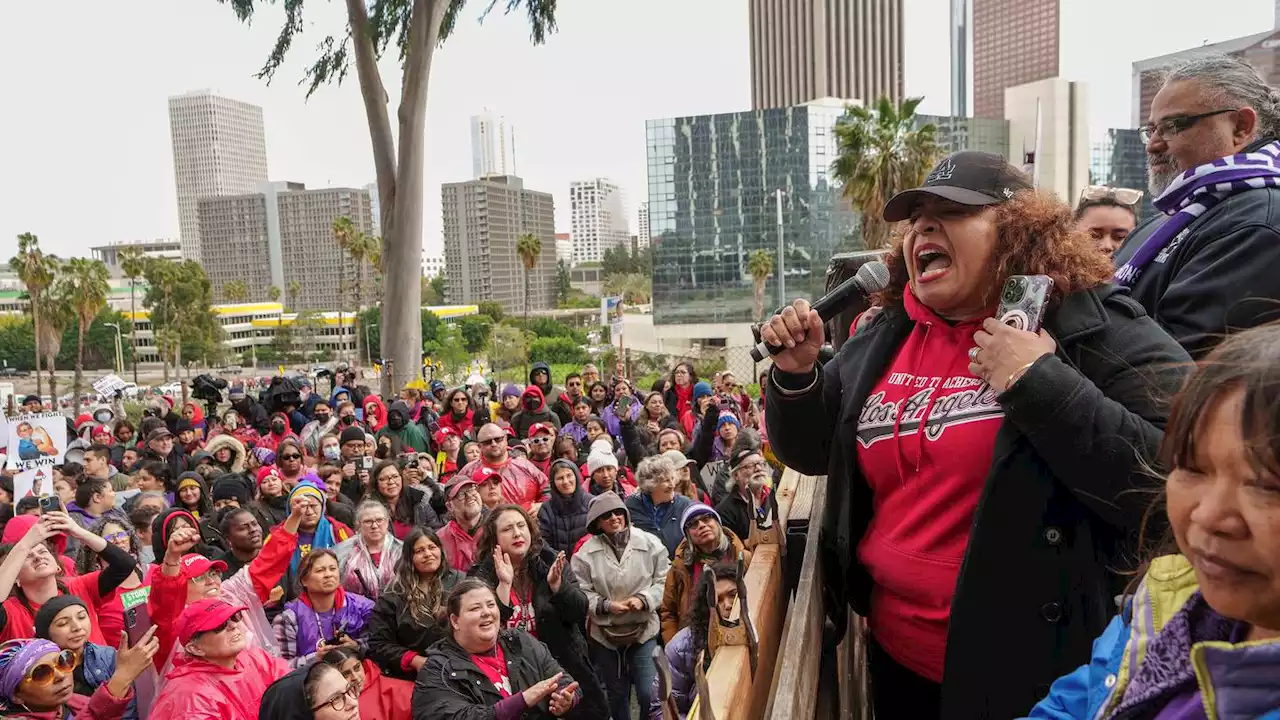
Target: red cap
{"x":443,"y":433}
{"x":267,"y":471}
{"x":511,"y":431}
{"x":82,"y":419}
{"x":203,"y":616}
{"x":456,"y":485}
{"x":195,"y":565}
{"x":481,"y":474}
{"x":536,"y":428}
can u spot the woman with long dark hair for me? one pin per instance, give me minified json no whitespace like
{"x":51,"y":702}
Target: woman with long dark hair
{"x":687,"y":646}
{"x":537,"y":593}
{"x":118,"y":531}
{"x":679,"y":394}
{"x":409,"y":506}
{"x":457,"y":413}
{"x":409,"y":616}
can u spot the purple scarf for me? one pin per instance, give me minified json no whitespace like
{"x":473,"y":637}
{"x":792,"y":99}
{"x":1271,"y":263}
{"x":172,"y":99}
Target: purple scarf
{"x":352,"y":617}
{"x":1197,"y":190}
{"x":17,"y":658}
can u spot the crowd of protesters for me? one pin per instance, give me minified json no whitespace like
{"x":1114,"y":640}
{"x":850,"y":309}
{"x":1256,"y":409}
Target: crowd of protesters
{"x":1071,"y":523}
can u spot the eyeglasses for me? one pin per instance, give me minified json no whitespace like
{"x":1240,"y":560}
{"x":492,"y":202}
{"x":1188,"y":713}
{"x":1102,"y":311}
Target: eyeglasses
{"x":1171,"y":126}
{"x":701,"y":520}
{"x":373,"y":522}
{"x":493,"y":441}
{"x":466,"y":493}
{"x":291,"y":456}
{"x":113,"y":537}
{"x":45,"y":673}
{"x":538,"y":440}
{"x":575,"y":383}
{"x":339,"y":702}
{"x":221,"y":628}
{"x":207,"y":577}
{"x":756,"y":466}
{"x":458,"y":400}
{"x":1124,"y":196}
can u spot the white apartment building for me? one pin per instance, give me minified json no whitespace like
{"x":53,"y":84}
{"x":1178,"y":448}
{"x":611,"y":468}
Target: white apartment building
{"x":597,"y":219}
{"x":642,"y":225}
{"x":493,"y":145}
{"x":375,"y":207}
{"x":432,"y":265}
{"x":219,"y":148}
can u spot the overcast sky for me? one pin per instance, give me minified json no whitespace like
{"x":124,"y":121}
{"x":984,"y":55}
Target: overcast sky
{"x":85,"y":154}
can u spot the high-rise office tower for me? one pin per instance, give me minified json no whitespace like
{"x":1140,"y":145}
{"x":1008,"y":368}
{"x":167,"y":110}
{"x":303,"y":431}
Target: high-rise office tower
{"x":597,"y":221}
{"x":1015,"y":42}
{"x":493,"y":145}
{"x":960,"y":58}
{"x":642,"y":225}
{"x":483,"y":222}
{"x":219,"y":148}
{"x":803,"y":50}
{"x":291,"y":228}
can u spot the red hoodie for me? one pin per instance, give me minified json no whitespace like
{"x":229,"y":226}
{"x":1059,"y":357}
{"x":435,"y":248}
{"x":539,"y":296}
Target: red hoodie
{"x":378,"y":419}
{"x":925,"y":487}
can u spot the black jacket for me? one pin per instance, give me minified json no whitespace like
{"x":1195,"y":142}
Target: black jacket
{"x":1057,"y":509}
{"x":563,"y":521}
{"x":393,"y":631}
{"x":451,"y":686}
{"x":255,"y":415}
{"x":560,"y":618}
{"x":1219,"y":274}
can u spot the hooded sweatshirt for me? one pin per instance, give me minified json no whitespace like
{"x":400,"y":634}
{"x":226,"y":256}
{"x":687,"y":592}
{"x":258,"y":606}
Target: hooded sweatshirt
{"x":378,"y":419}
{"x":525,"y":418}
{"x":272,"y":439}
{"x":562,"y":519}
{"x":548,"y":391}
{"x":197,"y":688}
{"x":399,"y":425}
{"x":925,"y":486}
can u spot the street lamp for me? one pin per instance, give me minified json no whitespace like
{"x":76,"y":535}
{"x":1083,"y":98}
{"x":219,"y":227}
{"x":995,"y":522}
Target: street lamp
{"x":119,"y":348}
{"x":782,"y":274}
{"x":368,"y":349}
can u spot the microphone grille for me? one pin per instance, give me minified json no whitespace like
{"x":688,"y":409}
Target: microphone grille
{"x":873,"y":276}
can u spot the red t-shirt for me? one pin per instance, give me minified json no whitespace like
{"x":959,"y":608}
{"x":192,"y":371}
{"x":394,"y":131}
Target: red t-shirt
{"x":925,"y":487}
{"x":22,"y":622}
{"x":494,"y":667}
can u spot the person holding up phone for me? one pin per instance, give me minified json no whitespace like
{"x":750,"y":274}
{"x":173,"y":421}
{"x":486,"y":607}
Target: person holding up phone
{"x":980,"y":476}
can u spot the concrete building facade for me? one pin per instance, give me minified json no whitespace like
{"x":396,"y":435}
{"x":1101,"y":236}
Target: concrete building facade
{"x":493,"y":145}
{"x":483,"y":222}
{"x":803,"y":50}
{"x":161,"y":249}
{"x":1049,"y":119}
{"x":1014,"y":42}
{"x":219,"y":148}
{"x":598,"y":221}
{"x":292,"y":228}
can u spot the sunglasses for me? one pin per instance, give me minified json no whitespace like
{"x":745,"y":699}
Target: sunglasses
{"x":291,"y":456}
{"x":613,"y":513}
{"x":539,"y":440}
{"x":1124,"y":196}
{"x":45,"y":673}
{"x":116,"y":536}
{"x":221,"y":628}
{"x":493,"y":441}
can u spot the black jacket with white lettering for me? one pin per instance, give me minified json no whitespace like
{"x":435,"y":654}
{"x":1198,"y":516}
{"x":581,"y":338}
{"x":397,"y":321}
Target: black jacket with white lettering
{"x":1221,"y":273}
{"x":1059,"y":508}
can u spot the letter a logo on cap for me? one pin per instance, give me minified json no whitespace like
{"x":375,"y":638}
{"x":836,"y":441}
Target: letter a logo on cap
{"x":942,"y":172}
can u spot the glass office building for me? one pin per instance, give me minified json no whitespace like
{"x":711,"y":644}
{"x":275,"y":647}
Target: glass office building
{"x":712,"y":183}
{"x":1120,"y":160}
{"x":955,"y":134}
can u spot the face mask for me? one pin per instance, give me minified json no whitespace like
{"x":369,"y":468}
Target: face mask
{"x":531,"y":404}
{"x":332,"y":452}
{"x":348,"y":419}
{"x":323,"y":418}
{"x":396,"y":421}
{"x":277,"y":428}
{"x":231,"y":423}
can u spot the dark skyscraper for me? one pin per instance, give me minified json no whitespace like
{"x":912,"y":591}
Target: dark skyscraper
{"x":1014,"y":42}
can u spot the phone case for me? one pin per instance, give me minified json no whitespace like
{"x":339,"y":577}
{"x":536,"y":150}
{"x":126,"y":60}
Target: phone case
{"x":1023,"y":301}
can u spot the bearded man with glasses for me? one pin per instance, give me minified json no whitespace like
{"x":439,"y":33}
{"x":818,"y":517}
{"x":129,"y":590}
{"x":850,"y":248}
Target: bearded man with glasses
{"x":523,"y":483}
{"x":1209,"y":262}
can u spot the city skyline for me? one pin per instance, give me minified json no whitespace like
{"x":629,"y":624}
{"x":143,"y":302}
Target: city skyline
{"x":125,"y":154}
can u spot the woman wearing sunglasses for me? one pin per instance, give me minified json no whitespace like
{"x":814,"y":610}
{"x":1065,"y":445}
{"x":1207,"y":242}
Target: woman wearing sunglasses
{"x":316,"y":692}
{"x":64,"y":621}
{"x":37,"y":681}
{"x":1108,"y":214}
{"x":116,"y":531}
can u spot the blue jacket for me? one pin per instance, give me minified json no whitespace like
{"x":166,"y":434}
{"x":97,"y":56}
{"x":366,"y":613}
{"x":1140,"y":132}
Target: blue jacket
{"x":1226,"y":673}
{"x":680,"y":657}
{"x":664,"y":521}
{"x":99,"y":665}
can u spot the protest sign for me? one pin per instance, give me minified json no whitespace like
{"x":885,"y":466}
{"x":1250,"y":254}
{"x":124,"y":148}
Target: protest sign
{"x":37,"y":442}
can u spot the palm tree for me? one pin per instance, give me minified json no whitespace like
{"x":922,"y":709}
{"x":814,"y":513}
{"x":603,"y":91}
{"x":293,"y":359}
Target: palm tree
{"x":347,"y":235}
{"x":295,"y":289}
{"x":36,"y":270}
{"x":235,"y":291}
{"x":759,"y":265}
{"x":528,"y":247}
{"x":633,"y":288}
{"x":880,"y":153}
{"x":55,"y":314}
{"x":83,"y":283}
{"x":133,"y":263}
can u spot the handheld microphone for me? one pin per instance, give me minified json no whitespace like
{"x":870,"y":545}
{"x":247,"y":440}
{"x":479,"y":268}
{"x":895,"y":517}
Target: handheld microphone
{"x":870,"y":279}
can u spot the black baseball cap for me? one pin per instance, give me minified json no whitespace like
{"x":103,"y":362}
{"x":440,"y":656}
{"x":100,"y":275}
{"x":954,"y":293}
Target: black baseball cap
{"x":968,"y":178}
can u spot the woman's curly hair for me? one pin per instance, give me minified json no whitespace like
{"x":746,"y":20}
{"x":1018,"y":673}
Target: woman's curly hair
{"x":1035,"y":235}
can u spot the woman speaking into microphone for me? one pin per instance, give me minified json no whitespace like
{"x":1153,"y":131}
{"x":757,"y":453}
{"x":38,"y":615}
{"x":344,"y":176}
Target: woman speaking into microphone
{"x":984,"y":481}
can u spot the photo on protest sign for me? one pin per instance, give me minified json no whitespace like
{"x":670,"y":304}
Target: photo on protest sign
{"x":37,"y":442}
{"x":611,"y":314}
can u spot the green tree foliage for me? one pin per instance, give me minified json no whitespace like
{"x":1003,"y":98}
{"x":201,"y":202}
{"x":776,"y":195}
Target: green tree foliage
{"x":235,"y":292}
{"x":880,"y":153}
{"x":557,"y":350}
{"x":508,"y":347}
{"x":180,"y":299}
{"x":132,"y":261}
{"x":563,"y":287}
{"x":634,"y":288}
{"x":549,"y":328}
{"x":36,"y":270}
{"x":474,"y":331}
{"x":372,"y":318}
{"x":18,"y":347}
{"x":83,"y":282}
{"x":429,"y":294}
{"x":759,"y":266}
{"x":492,"y":309}
{"x":622,"y":260}
{"x":440,"y":286}
{"x":528,"y":247}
